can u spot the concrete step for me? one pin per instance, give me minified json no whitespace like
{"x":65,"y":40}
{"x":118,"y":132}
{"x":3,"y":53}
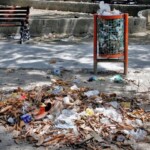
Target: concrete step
{"x":47,"y":22}
{"x":68,"y":17}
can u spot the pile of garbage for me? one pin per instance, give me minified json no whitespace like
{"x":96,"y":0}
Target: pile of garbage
{"x":62,"y":114}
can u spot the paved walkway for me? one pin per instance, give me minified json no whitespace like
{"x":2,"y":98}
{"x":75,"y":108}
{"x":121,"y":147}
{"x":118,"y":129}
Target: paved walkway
{"x":36,"y":57}
{"x":73,"y":55}
{"x":70,"y":55}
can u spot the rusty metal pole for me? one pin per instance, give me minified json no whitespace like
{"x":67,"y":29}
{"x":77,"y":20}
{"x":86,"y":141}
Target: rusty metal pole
{"x":95,"y":44}
{"x":126,"y":44}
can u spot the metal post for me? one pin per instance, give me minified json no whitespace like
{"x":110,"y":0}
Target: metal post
{"x":95,"y":44}
{"x":126,"y":44}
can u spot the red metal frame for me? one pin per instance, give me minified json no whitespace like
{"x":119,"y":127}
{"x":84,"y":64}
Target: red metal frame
{"x":111,"y":58}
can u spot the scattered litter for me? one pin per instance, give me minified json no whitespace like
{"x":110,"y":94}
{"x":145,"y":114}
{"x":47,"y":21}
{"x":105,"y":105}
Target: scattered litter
{"x":25,"y":107}
{"x":65,"y":120}
{"x":114,"y":104}
{"x":62,"y":114}
{"x":111,"y":113}
{"x":146,"y":107}
{"x":93,"y":78}
{"x":16,"y":37}
{"x":91,"y":93}
{"x":11,"y":121}
{"x":52,"y":61}
{"x":139,"y":122}
{"x":76,"y":80}
{"x":10,"y":70}
{"x":117,"y":79}
{"x":126,"y":105}
{"x":57,"y":71}
{"x":50,"y":117}
{"x":101,"y":79}
{"x":89,"y":112}
{"x":57,"y":90}
{"x":121,"y":138}
{"x":138,"y":134}
{"x":26,"y":118}
{"x":74,"y":87}
{"x":66,"y":100}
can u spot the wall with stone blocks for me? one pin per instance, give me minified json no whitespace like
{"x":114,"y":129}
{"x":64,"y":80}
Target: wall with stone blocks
{"x":71,"y":26}
{"x":74,"y":7}
{"x":74,"y":26}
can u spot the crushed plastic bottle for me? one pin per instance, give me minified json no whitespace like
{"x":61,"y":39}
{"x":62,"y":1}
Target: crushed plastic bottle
{"x":26,"y":118}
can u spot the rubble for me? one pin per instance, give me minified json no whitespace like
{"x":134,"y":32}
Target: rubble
{"x":63,"y":114}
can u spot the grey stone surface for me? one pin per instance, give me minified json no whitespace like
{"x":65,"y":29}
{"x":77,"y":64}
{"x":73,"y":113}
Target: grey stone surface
{"x":76,"y":24}
{"x":74,"y":6}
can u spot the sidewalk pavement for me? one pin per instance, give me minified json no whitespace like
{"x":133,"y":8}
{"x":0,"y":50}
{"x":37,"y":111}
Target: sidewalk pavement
{"x":71,"y":55}
{"x":33,"y":62}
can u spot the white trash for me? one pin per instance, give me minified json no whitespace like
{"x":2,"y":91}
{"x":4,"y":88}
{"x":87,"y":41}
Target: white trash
{"x":138,"y":134}
{"x":105,"y":10}
{"x":91,"y":93}
{"x":111,"y":113}
{"x":74,"y":87}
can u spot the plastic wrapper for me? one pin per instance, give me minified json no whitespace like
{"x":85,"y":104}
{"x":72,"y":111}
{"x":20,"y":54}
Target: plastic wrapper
{"x":91,"y":93}
{"x":110,"y":113}
{"x":66,"y":119}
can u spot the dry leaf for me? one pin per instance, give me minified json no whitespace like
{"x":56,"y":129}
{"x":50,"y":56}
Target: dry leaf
{"x":3,"y":110}
{"x":40,"y":141}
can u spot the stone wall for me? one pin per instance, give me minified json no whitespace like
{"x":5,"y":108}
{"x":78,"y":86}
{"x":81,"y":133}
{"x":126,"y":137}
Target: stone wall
{"x":73,"y":26}
{"x":146,"y":14}
{"x":75,"y":7}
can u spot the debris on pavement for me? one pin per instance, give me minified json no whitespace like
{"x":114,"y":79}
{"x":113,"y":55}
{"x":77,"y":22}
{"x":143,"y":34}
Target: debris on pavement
{"x":117,"y":79}
{"x":57,"y":71}
{"x":63,"y":114}
{"x":93,"y":78}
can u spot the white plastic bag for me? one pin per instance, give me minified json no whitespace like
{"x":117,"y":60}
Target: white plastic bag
{"x":103,"y":8}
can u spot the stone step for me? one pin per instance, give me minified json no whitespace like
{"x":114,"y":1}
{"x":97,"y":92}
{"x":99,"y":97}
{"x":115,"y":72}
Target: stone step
{"x":66,"y":17}
{"x":45,"y":22}
{"x":84,"y":7}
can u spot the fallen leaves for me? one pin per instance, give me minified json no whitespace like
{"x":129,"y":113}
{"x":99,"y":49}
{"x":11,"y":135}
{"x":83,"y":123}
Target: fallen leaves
{"x":93,"y":120}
